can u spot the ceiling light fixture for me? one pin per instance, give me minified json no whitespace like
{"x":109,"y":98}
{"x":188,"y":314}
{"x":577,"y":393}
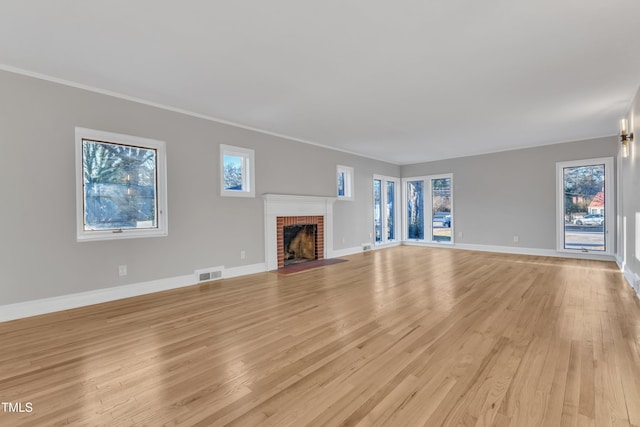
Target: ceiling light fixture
{"x":625,"y":138}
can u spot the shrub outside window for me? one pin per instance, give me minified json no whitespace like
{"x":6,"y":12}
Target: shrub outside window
{"x":121,"y":186}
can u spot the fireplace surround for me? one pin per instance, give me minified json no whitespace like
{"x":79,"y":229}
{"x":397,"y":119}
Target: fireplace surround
{"x":299,"y":210}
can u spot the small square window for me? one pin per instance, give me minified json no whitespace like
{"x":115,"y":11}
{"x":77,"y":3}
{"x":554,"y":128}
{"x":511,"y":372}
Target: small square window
{"x":236,"y":171}
{"x":345,"y":183}
{"x":121,"y":186}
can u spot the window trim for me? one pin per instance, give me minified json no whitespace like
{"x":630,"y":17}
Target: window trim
{"x":396,"y":204}
{"x":609,"y":189}
{"x":161,"y":228}
{"x":428,"y":206}
{"x":248,"y":171}
{"x":348,"y":182}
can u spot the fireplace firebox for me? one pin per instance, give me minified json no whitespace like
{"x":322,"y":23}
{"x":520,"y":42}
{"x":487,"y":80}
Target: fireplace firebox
{"x":299,"y":243}
{"x":299,"y":239}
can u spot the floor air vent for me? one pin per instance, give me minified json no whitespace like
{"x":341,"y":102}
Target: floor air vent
{"x":209,"y":274}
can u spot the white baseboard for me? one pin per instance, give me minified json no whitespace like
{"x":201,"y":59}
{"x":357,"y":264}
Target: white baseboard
{"x":358,"y":249}
{"x":482,"y":248}
{"x":534,"y":251}
{"x":513,"y":250}
{"x":344,"y":252}
{"x":244,"y":270}
{"x":632,"y":278}
{"x":429,"y":244}
{"x":377,"y":246}
{"x":65,"y":302}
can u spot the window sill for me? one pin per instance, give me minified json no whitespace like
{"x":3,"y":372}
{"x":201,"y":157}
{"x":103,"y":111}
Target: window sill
{"x":91,"y":236}
{"x":238,"y":194}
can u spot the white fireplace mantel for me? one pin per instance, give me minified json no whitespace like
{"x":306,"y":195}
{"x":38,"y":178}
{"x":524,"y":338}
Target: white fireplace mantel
{"x":276,"y":205}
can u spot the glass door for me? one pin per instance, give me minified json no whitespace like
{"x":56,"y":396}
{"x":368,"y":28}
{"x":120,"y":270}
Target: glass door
{"x":441,"y":210}
{"x":431,"y":194}
{"x":584,"y":205}
{"x":384,"y":208}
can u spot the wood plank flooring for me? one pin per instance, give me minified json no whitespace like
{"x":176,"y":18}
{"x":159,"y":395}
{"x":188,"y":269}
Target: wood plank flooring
{"x":405,"y":336}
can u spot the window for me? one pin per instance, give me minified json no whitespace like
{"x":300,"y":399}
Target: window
{"x":391,"y":210}
{"x":584,"y":205}
{"x":377,"y":210}
{"x":415,"y":210}
{"x":345,"y":183}
{"x":121,"y":186}
{"x":441,"y":209}
{"x":237,"y":175}
{"x":429,"y":194}
{"x":384,"y":208}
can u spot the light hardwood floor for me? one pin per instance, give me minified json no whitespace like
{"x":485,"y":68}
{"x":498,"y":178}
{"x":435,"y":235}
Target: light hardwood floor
{"x":404,"y":336}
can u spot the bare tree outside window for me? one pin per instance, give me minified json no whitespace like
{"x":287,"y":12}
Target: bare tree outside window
{"x":119,"y":186}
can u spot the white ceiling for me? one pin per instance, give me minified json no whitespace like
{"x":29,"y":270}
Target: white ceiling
{"x":404,"y":81}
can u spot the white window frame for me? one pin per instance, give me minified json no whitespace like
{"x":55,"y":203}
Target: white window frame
{"x":396,"y":208}
{"x":161,"y":228}
{"x":609,"y":189}
{"x":248,"y":171}
{"x":428,"y":207}
{"x":348,"y":182}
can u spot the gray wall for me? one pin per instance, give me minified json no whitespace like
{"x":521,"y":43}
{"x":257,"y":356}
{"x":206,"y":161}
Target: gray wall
{"x":629,"y":253}
{"x":39,"y":255}
{"x":499,"y":195}
{"x":496,"y":195}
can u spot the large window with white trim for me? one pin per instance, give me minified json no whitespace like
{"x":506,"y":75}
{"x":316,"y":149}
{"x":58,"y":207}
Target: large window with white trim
{"x":121,"y":186}
{"x":585,"y":205}
{"x":428,"y":208}
{"x":385,"y":208}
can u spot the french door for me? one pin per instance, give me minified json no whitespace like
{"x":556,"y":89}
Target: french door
{"x":385,"y":208}
{"x":428,"y":208}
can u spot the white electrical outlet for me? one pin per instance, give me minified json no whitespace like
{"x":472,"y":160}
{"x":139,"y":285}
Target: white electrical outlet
{"x":460,"y":234}
{"x":243,"y":254}
{"x":122,"y":270}
{"x":516,"y":239}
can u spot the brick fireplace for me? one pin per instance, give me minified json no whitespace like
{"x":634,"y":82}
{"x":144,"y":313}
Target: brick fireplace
{"x":281,"y":210}
{"x":284,"y":221}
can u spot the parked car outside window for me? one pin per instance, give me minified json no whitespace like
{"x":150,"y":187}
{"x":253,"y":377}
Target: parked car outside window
{"x":592,"y":219}
{"x":444,"y":218}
